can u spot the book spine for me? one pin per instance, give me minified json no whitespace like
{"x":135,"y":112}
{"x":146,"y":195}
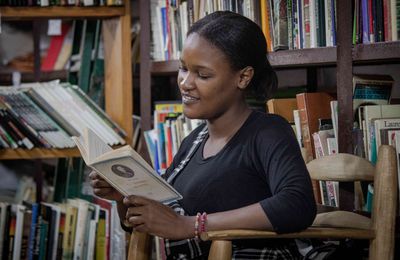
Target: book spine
{"x":106,"y":118}
{"x":42,"y":103}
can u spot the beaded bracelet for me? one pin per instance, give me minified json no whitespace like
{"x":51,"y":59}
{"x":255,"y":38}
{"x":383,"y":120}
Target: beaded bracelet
{"x":200,"y":224}
{"x":203,"y":221}
{"x":196,"y":226}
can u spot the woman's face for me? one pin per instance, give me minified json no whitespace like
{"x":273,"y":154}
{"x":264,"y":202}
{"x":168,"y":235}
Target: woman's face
{"x":208,"y":85}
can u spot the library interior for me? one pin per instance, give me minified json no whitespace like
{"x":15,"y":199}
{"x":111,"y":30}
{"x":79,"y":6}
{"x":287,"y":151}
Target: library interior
{"x":95,"y":92}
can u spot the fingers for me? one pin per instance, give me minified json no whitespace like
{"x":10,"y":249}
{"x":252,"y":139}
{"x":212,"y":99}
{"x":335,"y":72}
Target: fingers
{"x":136,"y":201}
{"x":102,"y":192}
{"x":99,"y":183}
{"x":94,"y":175}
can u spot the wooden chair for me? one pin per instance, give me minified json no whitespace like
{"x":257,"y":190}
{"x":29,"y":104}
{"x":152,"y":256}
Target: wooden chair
{"x":379,"y":230}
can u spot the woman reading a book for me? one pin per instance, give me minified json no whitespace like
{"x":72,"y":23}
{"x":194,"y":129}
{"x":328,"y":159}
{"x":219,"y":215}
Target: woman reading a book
{"x":242,"y":169}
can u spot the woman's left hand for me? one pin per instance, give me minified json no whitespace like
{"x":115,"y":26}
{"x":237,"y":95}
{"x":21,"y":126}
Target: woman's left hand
{"x":153,"y":217}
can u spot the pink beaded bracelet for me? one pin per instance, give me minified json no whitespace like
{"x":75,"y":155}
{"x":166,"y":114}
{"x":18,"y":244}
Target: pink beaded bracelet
{"x":200,"y":224}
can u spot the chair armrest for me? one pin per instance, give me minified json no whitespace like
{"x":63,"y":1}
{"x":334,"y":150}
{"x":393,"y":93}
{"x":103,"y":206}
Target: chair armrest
{"x":312,"y":232}
{"x":342,"y":219}
{"x":139,"y":246}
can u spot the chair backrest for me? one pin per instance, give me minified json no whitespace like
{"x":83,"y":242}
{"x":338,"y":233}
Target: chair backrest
{"x":341,"y":167}
{"x":347,"y":168}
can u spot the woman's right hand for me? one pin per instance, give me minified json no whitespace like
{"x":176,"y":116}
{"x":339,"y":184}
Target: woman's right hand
{"x":103,"y":189}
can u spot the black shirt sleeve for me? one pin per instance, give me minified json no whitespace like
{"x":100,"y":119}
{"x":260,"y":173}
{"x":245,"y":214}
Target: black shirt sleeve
{"x":292,"y":206}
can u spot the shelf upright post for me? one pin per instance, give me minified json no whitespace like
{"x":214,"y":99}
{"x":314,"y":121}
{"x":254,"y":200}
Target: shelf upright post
{"x":344,"y":76}
{"x":145,"y":72}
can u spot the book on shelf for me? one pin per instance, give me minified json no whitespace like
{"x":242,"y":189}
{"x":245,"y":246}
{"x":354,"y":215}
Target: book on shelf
{"x":312,"y":107}
{"x":47,"y":114}
{"x":283,"y":107}
{"x":367,"y":114}
{"x":124,"y":169}
{"x":371,"y":90}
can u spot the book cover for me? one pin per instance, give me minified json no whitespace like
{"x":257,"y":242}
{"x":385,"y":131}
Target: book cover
{"x":124,"y":169}
{"x":283,"y":107}
{"x":371,"y":89}
{"x":54,"y":49}
{"x":312,"y":106}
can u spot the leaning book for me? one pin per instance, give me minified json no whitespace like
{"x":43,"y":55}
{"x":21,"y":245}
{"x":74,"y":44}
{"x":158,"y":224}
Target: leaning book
{"x":124,"y":169}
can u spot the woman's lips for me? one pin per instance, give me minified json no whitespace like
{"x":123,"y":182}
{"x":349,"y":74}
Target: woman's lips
{"x":187,"y":99}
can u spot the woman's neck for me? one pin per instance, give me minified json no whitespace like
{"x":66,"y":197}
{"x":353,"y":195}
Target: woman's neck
{"x":225,"y":126}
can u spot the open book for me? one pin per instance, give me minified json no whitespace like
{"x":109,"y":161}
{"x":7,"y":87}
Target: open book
{"x":124,"y":169}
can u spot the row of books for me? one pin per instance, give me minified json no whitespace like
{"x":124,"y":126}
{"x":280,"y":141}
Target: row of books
{"x":47,"y":115}
{"x":314,"y":118}
{"x":376,"y":21}
{"x":170,"y":128}
{"x":170,"y":21}
{"x":76,"y":229}
{"x":61,"y":3}
{"x":287,"y":24}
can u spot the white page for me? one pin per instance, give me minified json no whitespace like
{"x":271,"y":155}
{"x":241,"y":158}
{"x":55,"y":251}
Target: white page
{"x":95,"y":145}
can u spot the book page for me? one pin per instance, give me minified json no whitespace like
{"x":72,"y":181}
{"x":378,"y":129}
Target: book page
{"x":95,"y":145}
{"x":80,"y":143}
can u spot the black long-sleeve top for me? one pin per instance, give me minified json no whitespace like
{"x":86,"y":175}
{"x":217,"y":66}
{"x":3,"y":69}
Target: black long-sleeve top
{"x":261,"y":163}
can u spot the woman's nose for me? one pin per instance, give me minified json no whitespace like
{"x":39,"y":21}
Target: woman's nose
{"x":186,"y":81}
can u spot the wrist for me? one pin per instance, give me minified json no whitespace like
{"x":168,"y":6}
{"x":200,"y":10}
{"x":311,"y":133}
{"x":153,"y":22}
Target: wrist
{"x":188,"y":226}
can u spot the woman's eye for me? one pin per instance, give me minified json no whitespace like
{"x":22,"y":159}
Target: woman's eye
{"x":203,"y":76}
{"x":181,"y":68}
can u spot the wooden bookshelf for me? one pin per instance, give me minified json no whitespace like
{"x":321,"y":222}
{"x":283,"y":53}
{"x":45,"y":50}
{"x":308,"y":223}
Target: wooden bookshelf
{"x":37,"y":153}
{"x":60,"y":12}
{"x":380,"y":52}
{"x":6,"y":76}
{"x":118,"y":70}
{"x":164,"y":67}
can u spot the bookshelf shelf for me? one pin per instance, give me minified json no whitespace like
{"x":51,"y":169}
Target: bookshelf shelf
{"x":303,"y":57}
{"x":29,"y":13}
{"x":116,"y":27}
{"x":6,"y":76}
{"x":37,"y":153}
{"x":362,"y":54}
{"x":376,"y":52}
{"x":164,"y":67}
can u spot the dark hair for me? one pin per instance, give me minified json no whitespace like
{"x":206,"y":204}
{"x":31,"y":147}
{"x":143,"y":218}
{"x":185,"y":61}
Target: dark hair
{"x":243,"y":43}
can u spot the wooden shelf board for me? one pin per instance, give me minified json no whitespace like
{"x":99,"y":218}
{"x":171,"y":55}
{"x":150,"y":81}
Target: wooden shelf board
{"x":37,"y":153}
{"x":164,"y":67}
{"x":6,"y":76}
{"x":376,"y":53}
{"x":279,"y":59}
{"x":23,"y":13}
{"x":303,"y":57}
{"x":362,"y":53}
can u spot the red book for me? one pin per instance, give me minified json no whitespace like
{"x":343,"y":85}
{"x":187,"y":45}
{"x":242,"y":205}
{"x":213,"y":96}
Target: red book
{"x":387,"y":26}
{"x":53,"y":52}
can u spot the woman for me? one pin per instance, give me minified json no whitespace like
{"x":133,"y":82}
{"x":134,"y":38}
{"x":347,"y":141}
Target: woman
{"x":243,"y":168}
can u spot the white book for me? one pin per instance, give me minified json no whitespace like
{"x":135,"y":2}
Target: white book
{"x":313,"y":25}
{"x":3,"y":211}
{"x":82,"y":206}
{"x":334,"y":117}
{"x":124,"y":169}
{"x":377,"y":111}
{"x":379,"y":124}
{"x":296,"y":117}
{"x":398,"y":160}
{"x":328,"y":23}
{"x":19,"y":210}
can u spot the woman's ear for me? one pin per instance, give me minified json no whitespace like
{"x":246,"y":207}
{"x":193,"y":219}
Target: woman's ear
{"x":245,"y":77}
